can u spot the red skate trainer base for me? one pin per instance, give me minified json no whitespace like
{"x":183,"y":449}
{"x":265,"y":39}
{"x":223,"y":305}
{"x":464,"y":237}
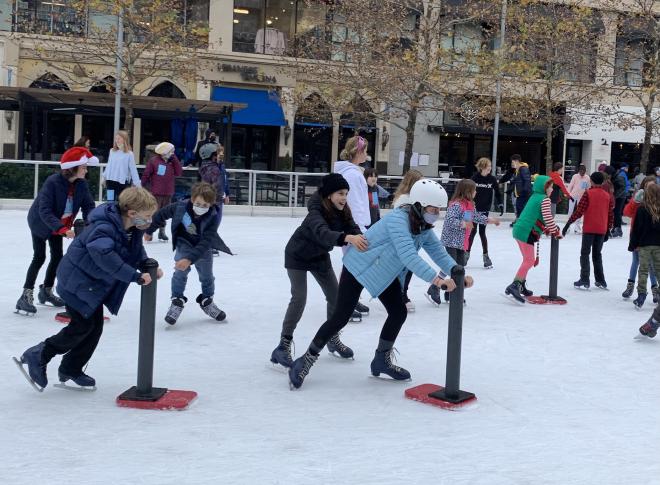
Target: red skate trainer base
{"x":172,"y":400}
{"x":421,"y":393}
{"x":546,"y":300}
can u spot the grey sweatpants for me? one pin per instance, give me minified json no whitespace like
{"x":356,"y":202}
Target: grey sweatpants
{"x":328,"y":283}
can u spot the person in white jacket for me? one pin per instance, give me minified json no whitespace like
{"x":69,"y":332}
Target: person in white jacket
{"x":120,"y":172}
{"x":580,"y":182}
{"x":354,"y":154}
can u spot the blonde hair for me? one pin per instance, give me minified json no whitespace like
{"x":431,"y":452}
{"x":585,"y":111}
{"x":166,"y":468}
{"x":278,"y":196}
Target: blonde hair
{"x":354,"y":145}
{"x":127,"y":145}
{"x":482,"y":163}
{"x":406,"y":184}
{"x":137,"y":199}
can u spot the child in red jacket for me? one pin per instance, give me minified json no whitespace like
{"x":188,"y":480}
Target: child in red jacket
{"x":597,"y":207}
{"x":559,"y":188}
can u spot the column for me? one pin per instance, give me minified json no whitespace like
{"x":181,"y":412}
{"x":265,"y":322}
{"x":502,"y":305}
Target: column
{"x":137,"y":139}
{"x":221,"y":25}
{"x":77,"y":127}
{"x":335,"y":140}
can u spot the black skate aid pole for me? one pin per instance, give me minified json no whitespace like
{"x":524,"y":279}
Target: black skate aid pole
{"x":554,"y":266}
{"x":451,"y":392}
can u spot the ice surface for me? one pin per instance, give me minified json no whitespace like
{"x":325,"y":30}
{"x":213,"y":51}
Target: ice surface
{"x":565,"y":395}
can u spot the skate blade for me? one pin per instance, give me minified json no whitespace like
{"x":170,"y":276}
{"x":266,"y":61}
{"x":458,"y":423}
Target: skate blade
{"x":428,"y":297}
{"x":488,"y":267}
{"x":642,"y":337}
{"x":62,"y":385}
{"x":355,"y":320}
{"x":337,"y":356}
{"x":279,"y":368}
{"x":602,"y":289}
{"x":512,"y":299}
{"x":19,"y":364}
{"x":25,"y":313}
{"x":581,"y":288}
{"x":387,"y":378}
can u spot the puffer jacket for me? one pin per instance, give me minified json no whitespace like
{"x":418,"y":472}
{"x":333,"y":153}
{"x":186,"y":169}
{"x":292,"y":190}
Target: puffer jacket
{"x":358,"y":198}
{"x":393,"y":250}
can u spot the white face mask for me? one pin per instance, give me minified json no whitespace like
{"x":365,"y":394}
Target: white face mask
{"x":431,"y":218}
{"x":200,"y":211}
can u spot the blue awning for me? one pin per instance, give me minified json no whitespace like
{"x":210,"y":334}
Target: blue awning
{"x":263,"y":107}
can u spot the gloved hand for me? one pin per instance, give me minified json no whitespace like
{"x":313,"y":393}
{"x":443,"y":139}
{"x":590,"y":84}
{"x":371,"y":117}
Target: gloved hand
{"x":501,"y":208}
{"x":565,"y":229}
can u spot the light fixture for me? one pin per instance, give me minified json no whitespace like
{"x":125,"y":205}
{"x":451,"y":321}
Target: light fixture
{"x":242,"y":11}
{"x":603,"y":142}
{"x":287,"y":132}
{"x":385,"y":138}
{"x":9,"y":117}
{"x":269,"y":22}
{"x":235,"y":21}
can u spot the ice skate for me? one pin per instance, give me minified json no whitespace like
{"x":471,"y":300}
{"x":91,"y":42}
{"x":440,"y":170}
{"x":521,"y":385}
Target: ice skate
{"x":215,"y":252}
{"x":582,"y":284}
{"x":83,"y":382}
{"x":300,"y":369}
{"x":648,"y":330}
{"x":602,"y":285}
{"x":162,"y":236}
{"x":488,"y":264}
{"x":513,"y":291}
{"x":433,"y":295}
{"x":210,"y":308}
{"x":382,"y":364}
{"x":337,"y":348}
{"x":630,"y":287}
{"x":46,"y":295}
{"x":524,"y":291}
{"x":175,"y":310}
{"x":25,"y":304}
{"x":655,"y":291}
{"x":282,"y":354}
{"x":36,"y":368}
{"x":410,"y":307}
{"x":639,"y":301}
{"x":363,"y":309}
{"x":356,"y":317}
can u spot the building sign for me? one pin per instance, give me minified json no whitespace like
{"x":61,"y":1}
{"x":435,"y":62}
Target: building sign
{"x":247,"y":73}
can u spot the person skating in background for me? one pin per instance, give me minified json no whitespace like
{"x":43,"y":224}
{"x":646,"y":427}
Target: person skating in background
{"x":620,"y":186}
{"x":352,"y":156}
{"x":597,"y":208}
{"x":328,"y":224}
{"x":559,"y":189}
{"x":194,"y":234}
{"x":486,"y":185}
{"x":209,"y":137}
{"x":371,"y":176}
{"x":50,"y":219}
{"x":459,"y":222}
{"x":645,"y":239}
{"x":637,"y":180}
{"x":657,"y":175}
{"x":212,"y":171}
{"x":159,"y":177}
{"x":535,"y":219}
{"x":120,"y":172}
{"x":95,"y":272}
{"x":522,"y":183}
{"x":393,"y":246}
{"x":402,"y":197}
{"x":579,"y":183}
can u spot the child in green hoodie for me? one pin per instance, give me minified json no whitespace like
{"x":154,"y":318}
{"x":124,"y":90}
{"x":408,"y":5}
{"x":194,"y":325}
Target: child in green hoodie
{"x":536,"y":218}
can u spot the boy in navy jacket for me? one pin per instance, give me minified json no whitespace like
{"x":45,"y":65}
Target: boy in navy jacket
{"x":95,"y":272}
{"x":194,"y":236}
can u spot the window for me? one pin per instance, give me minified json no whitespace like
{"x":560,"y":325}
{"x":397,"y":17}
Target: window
{"x":249,"y":18}
{"x":48,"y":17}
{"x":462,"y":43}
{"x":629,"y":61}
{"x":311,"y":30}
{"x":263,"y":26}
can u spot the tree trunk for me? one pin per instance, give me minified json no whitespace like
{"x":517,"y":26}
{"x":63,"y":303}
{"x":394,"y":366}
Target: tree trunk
{"x":648,"y":131}
{"x":548,"y":147}
{"x":128,"y":120}
{"x":410,"y":139}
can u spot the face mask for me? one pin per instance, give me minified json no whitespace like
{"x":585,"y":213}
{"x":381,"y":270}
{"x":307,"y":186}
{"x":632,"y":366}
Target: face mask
{"x":212,"y":137}
{"x":200,"y":211}
{"x":431,"y":218}
{"x":141,"y":222}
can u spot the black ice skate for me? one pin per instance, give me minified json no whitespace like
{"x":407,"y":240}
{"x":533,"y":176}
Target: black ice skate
{"x":83,"y":382}
{"x":363,"y":309}
{"x":25,"y":304}
{"x":433,"y":295}
{"x":46,"y":295}
{"x":300,"y":369}
{"x":655,"y":291}
{"x":639,"y":301}
{"x":382,"y":364}
{"x":210,"y":308}
{"x":36,"y":368}
{"x":162,"y":236}
{"x":356,"y":317}
{"x":630,"y":287}
{"x":524,"y":290}
{"x":488,"y":264}
{"x":601,"y":285}
{"x":514,"y":291}
{"x":282,"y":354}
{"x":649,"y":329}
{"x":582,"y":284}
{"x":175,"y":310}
{"x":337,"y":348}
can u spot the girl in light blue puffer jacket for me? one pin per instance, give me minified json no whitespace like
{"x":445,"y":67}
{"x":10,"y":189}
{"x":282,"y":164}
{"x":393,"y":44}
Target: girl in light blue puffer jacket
{"x":393,"y":245}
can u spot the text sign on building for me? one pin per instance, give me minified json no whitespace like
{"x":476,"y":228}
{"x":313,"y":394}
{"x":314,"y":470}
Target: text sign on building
{"x":248,"y":73}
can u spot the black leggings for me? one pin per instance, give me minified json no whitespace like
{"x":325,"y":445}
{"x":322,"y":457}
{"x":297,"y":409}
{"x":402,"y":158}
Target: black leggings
{"x":482,"y":235}
{"x":406,"y":284}
{"x":347,"y":297}
{"x":39,"y":258}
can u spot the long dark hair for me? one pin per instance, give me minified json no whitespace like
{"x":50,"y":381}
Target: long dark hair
{"x":330,"y":211}
{"x":416,"y":219}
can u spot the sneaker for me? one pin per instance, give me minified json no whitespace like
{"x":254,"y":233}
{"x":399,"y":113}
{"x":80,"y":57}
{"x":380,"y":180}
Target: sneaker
{"x":46,"y":295}
{"x":582,"y":284}
{"x":25,"y":303}
{"x":382,"y":364}
{"x":300,"y":369}
{"x":210,"y":308}
{"x":488,"y":264}
{"x":601,"y":284}
{"x":175,"y":309}
{"x":282,"y":353}
{"x":649,"y":329}
{"x":410,"y":307}
{"x":336,"y":346}
{"x":514,"y":291}
{"x":524,"y":291}
{"x":33,"y":358}
{"x":82,"y":379}
{"x":630,"y":287}
{"x":356,"y":317}
{"x":433,"y":295}
{"x":655,"y":291}
{"x":639,"y":301}
{"x":363,"y":309}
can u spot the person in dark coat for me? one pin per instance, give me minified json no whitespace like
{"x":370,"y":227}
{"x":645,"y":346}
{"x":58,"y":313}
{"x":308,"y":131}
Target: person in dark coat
{"x":328,"y":224}
{"x":50,"y":220}
{"x":194,"y":236}
{"x":95,"y":272}
{"x":209,"y":137}
{"x":620,"y":184}
{"x":487,"y":186}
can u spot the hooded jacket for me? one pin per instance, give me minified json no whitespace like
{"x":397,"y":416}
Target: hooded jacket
{"x":358,"y":197}
{"x":100,"y":263}
{"x":536,"y":217}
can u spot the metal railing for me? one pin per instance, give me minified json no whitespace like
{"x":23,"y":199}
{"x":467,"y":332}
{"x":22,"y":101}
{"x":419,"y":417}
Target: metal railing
{"x":22,"y":179}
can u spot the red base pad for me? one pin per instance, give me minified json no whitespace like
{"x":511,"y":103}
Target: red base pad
{"x":421,"y":393}
{"x":540,"y":300}
{"x":172,"y":401}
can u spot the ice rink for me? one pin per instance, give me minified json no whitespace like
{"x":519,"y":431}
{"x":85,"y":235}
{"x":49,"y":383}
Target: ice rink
{"x":565,"y":395}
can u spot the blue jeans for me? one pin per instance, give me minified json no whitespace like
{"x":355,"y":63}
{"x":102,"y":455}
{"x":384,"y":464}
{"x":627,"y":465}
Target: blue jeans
{"x":635,"y":266}
{"x":204,"y":266}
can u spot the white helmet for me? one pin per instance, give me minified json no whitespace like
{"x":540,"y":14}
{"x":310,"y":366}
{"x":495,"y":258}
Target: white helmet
{"x":428,"y":192}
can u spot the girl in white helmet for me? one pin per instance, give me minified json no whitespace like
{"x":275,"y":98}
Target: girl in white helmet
{"x":393,"y":244}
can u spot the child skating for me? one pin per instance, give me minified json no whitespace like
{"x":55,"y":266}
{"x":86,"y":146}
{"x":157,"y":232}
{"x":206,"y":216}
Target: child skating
{"x":328,"y":224}
{"x":487,"y":186}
